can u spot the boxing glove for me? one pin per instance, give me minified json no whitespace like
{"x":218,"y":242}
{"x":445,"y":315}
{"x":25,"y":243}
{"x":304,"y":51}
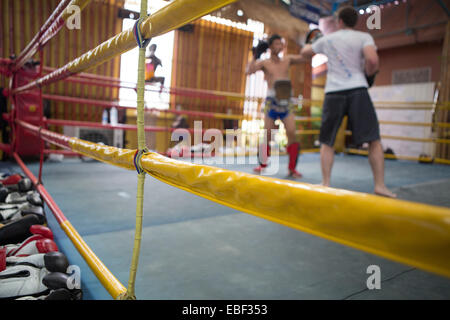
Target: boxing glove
{"x":313,"y":36}
{"x":4,"y":175}
{"x":9,"y":210}
{"x":11,"y":179}
{"x":58,"y":294}
{"x":13,"y":215}
{"x":18,"y":230}
{"x":34,"y":230}
{"x":260,"y":49}
{"x":56,"y":280}
{"x":41,"y":230}
{"x":371,"y":79}
{"x":65,"y":294}
{"x":53,"y":261}
{"x":17,"y":183}
{"x":22,"y":280}
{"x":3,"y":193}
{"x":32,"y":245}
{"x":34,"y":260}
{"x":24,"y":185}
{"x":8,"y":206}
{"x":16,"y":200}
{"x":32,"y":197}
{"x":59,"y":280}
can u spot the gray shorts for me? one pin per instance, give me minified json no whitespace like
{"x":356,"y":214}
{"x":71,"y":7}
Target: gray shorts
{"x":362,"y":118}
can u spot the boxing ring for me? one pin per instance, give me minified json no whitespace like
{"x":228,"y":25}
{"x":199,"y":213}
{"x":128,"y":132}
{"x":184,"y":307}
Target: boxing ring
{"x":329,"y":213}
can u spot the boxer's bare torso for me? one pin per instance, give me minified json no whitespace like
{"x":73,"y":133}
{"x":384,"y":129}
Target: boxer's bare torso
{"x":275,"y":69}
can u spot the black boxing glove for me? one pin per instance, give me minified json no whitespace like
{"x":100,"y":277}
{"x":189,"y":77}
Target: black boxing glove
{"x":53,"y":261}
{"x":65,"y":294}
{"x":3,"y":193}
{"x":17,"y":182}
{"x":32,"y":197}
{"x":371,"y":79}
{"x":313,"y":36}
{"x":8,"y":216}
{"x":260,"y":49}
{"x":18,"y":230}
{"x":56,"y":280}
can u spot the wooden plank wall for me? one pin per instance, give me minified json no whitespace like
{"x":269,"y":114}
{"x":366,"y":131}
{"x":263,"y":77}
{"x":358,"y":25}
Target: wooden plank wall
{"x":21,"y":20}
{"x":213,"y":57}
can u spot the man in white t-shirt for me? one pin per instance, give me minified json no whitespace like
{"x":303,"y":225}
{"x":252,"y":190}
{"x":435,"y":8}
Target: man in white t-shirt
{"x":352,"y":57}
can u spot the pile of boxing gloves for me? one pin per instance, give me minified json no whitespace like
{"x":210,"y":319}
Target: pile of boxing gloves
{"x":31,"y":267}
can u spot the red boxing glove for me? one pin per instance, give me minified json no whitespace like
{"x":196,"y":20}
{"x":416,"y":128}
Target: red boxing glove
{"x":32,"y":245}
{"x":41,"y":230}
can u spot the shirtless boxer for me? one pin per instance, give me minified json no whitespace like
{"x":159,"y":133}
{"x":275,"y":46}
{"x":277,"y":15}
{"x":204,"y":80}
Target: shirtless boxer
{"x":278,"y":101}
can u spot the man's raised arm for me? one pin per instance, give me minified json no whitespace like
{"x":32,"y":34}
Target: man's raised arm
{"x":297,"y":59}
{"x":307,"y":52}
{"x":253,"y":66}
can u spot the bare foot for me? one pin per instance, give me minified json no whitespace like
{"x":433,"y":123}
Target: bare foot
{"x":384,"y":192}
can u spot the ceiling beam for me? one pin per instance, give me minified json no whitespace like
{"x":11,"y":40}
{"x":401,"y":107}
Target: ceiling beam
{"x":444,"y":7}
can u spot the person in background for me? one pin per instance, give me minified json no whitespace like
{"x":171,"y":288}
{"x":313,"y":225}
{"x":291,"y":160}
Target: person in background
{"x":352,"y":64}
{"x":278,"y":103}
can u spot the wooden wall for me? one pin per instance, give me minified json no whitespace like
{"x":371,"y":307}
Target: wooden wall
{"x":423,"y":55}
{"x":21,"y":20}
{"x":212,"y":56}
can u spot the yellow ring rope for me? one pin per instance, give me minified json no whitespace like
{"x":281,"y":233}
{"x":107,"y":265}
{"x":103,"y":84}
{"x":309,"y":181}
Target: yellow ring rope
{"x":131,"y":295}
{"x":386,"y":227}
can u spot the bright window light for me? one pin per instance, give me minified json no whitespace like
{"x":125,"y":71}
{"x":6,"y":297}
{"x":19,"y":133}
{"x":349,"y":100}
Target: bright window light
{"x":129,"y":62}
{"x":318,"y":60}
